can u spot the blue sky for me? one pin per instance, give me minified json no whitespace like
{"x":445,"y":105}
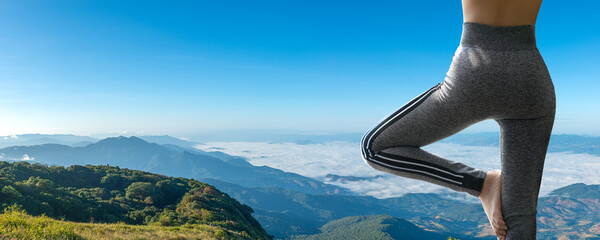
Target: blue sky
{"x":179,"y":67}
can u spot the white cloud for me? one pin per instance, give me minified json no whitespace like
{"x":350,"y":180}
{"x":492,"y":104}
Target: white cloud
{"x":344,"y":158}
{"x":564,"y":168}
{"x":11,"y":137}
{"x":27,"y":158}
{"x":311,"y":160}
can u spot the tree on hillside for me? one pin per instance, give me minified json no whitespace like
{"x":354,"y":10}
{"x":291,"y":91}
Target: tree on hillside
{"x":141,"y":191}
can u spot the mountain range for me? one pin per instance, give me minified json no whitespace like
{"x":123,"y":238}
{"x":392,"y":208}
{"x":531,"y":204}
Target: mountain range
{"x":170,"y":160}
{"x":558,"y":142}
{"x":80,"y":141}
{"x":572,"y":212}
{"x":290,"y":205}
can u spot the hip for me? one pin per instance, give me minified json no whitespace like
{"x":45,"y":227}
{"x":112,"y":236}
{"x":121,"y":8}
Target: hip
{"x":500,"y":83}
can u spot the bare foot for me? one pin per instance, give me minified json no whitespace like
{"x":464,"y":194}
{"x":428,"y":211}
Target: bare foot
{"x":491,"y":200}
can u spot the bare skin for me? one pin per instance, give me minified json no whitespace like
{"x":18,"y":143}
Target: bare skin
{"x":501,"y":12}
{"x":490,"y":197}
{"x":498,"y":13}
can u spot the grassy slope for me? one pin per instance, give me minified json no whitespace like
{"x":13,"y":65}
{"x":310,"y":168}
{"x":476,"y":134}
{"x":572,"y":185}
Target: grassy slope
{"x":17,"y":224}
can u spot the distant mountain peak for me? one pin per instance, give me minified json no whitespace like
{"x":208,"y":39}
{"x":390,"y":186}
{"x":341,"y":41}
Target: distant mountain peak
{"x":166,"y":139}
{"x":578,"y":190}
{"x":185,"y":154}
{"x":39,"y":139}
{"x":122,"y":139}
{"x":132,"y":142}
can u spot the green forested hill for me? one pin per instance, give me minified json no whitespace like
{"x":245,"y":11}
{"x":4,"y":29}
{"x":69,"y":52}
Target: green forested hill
{"x":105,"y":194}
{"x":372,"y":227}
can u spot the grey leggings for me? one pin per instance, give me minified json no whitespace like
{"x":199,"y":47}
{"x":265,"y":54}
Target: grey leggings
{"x":496,"y":73}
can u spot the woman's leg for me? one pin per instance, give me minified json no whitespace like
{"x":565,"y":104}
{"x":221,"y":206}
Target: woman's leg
{"x":497,"y":73}
{"x":393,"y":145}
{"x":523,"y":145}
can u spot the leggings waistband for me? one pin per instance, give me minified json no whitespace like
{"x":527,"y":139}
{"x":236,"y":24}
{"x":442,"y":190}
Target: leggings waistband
{"x":506,"y":38}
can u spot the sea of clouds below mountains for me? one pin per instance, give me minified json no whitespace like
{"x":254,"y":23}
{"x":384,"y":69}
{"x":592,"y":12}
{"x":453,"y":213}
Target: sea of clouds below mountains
{"x":317,"y":160}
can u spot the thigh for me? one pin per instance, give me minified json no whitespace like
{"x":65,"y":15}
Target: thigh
{"x":435,"y":114}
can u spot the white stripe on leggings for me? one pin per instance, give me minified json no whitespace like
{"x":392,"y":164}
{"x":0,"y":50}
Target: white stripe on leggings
{"x":415,"y":170}
{"x":423,"y":165}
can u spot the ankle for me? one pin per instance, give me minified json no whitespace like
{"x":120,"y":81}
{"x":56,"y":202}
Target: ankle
{"x":490,"y":178}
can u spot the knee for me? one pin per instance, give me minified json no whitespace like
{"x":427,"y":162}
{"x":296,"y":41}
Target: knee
{"x":366,"y":146}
